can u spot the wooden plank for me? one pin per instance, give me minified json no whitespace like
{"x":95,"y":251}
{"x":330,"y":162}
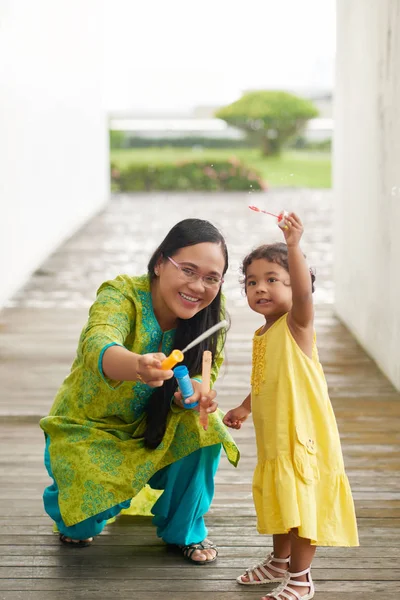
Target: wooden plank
{"x":249,"y":554}
{"x":237,"y":594}
{"x":138,"y":573}
{"x":139,"y":560}
{"x":176,"y":584}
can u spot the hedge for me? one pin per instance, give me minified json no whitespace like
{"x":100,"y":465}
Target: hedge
{"x":223,"y":175}
{"x":187,"y":142}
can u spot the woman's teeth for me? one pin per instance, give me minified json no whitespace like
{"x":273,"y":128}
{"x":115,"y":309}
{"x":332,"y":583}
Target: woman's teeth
{"x":189,"y":298}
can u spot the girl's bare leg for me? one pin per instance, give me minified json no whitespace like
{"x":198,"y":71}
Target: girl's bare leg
{"x":282,"y":545}
{"x":301,"y":556}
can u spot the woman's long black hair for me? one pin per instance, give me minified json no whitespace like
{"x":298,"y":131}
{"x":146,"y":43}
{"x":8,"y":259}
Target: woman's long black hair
{"x":185,"y":233}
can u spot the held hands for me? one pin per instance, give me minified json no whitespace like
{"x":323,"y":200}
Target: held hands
{"x":149,"y":370}
{"x":292,"y":229}
{"x":205,"y":401}
{"x":235,"y":417}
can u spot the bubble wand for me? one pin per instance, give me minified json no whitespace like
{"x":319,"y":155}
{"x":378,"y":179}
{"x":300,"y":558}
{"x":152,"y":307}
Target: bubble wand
{"x":176,"y":356}
{"x":263,"y":211}
{"x":281,"y":217}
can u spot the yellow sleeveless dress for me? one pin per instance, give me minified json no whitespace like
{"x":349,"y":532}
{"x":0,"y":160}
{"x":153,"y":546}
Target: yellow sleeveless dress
{"x":299,"y":480}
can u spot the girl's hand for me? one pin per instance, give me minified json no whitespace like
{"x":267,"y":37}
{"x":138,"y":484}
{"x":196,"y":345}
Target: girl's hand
{"x":149,"y":369}
{"x":294,"y":229}
{"x":235,"y":417}
{"x":206,"y":401}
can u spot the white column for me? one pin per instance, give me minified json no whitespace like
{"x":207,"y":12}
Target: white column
{"x":367,"y":177}
{"x":53,"y":129}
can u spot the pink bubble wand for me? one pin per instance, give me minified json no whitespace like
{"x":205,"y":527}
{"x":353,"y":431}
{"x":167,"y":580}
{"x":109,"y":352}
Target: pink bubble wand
{"x":263,"y":211}
{"x":280,"y":217}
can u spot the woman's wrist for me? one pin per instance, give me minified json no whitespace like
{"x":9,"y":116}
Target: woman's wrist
{"x":135,"y":368}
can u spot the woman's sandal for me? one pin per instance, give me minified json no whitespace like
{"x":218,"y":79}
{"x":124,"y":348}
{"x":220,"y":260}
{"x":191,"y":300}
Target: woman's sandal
{"x":67,"y":541}
{"x":284,"y":591}
{"x":264,"y":576}
{"x":188,"y":551}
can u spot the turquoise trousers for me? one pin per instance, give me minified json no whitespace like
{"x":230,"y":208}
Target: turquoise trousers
{"x":188,"y":486}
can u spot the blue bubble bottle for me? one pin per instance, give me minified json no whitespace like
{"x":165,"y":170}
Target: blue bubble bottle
{"x":185,"y":385}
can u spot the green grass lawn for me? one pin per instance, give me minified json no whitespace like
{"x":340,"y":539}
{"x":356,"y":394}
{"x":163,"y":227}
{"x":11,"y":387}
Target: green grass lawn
{"x":290,"y":169}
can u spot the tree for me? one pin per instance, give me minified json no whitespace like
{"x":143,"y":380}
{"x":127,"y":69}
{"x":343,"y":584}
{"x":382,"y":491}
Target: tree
{"x":270,"y":118}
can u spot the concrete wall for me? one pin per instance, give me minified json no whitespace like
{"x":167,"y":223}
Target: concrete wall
{"x":367,"y":177}
{"x":53,"y":129}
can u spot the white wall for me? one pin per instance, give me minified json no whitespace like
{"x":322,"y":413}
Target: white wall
{"x":53,"y":129}
{"x":367,"y":177}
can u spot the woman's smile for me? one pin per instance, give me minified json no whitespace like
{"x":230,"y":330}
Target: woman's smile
{"x":189,"y":300}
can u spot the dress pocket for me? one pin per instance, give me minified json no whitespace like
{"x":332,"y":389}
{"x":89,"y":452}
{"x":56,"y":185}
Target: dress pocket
{"x":305,"y":457}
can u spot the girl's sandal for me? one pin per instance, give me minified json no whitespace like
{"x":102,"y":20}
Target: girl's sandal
{"x":263,"y":574}
{"x":285,"y":591}
{"x":189,"y":550}
{"x":79,"y":544}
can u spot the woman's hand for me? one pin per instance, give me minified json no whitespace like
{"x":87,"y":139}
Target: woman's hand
{"x":149,"y":369}
{"x":205,"y":401}
{"x":293,"y":230}
{"x":235,"y":417}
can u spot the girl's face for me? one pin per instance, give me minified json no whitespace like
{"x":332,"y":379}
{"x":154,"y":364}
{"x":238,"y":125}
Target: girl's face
{"x":179,"y":293}
{"x":268,"y":288}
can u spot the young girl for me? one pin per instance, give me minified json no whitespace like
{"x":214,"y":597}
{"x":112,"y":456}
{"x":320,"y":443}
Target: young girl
{"x":301,"y":492}
{"x":112,"y":428}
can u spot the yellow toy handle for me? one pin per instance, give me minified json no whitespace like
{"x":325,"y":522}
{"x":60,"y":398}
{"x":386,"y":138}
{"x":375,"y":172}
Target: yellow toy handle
{"x":173,"y":359}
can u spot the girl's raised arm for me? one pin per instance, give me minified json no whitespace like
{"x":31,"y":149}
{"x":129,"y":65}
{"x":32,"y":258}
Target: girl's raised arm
{"x":302,"y":313}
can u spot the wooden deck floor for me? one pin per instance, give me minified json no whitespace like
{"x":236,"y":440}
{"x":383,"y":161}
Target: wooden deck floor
{"x":128,"y":561}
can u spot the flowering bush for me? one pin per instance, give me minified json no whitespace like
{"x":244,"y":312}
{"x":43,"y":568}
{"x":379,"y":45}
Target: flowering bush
{"x":226,"y":175}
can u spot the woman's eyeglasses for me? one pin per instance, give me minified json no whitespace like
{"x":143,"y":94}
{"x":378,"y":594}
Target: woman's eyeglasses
{"x":187,"y":274}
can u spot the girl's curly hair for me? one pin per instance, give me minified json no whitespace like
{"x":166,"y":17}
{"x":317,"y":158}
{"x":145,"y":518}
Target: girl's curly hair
{"x":275,"y":253}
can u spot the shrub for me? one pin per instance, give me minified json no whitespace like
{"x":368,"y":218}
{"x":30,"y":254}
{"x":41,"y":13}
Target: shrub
{"x":117,"y":139}
{"x":199,"y":141}
{"x":226,"y":175}
{"x":301,"y":143}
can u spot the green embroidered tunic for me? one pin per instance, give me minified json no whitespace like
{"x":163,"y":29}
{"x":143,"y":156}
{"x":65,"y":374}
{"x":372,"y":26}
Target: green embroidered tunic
{"x":96,"y":425}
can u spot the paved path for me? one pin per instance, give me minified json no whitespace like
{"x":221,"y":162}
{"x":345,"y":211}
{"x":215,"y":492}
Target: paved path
{"x":38,"y":335}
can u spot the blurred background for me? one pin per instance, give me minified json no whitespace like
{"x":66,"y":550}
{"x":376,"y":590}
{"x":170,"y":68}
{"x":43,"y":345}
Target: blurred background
{"x":165,"y":89}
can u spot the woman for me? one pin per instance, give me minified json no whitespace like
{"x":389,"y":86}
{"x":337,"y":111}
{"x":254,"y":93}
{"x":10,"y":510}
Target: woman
{"x":117,"y":422}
